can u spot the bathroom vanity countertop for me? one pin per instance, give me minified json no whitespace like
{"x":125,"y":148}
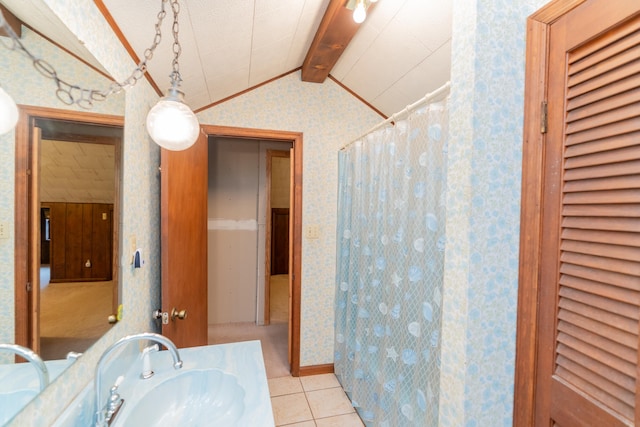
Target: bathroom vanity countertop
{"x":20,"y":383}
{"x":22,"y":376}
{"x":243,"y":360}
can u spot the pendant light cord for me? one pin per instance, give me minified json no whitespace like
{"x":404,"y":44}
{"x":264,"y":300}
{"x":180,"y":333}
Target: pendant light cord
{"x":177,"y":49}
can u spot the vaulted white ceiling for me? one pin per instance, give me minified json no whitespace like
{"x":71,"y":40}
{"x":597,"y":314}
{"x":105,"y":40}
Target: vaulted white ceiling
{"x":401,"y":52}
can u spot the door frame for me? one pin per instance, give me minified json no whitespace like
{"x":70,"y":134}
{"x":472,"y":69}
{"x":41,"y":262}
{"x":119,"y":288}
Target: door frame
{"x":271,"y":153}
{"x":296,"y":218}
{"x":533,"y":161}
{"x":25,"y":260}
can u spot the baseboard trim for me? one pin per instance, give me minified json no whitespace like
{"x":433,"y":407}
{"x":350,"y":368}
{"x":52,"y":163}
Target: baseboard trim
{"x":305,"y":371}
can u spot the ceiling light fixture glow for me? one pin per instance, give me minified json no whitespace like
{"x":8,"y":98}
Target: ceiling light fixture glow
{"x":360,"y":12}
{"x":171,"y":124}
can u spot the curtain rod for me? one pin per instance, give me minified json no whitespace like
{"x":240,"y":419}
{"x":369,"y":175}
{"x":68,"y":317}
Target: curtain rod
{"x":394,"y":117}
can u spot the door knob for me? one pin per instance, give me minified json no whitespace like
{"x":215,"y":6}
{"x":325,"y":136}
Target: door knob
{"x":182,"y":314}
{"x":112,"y":319}
{"x":159,"y":314}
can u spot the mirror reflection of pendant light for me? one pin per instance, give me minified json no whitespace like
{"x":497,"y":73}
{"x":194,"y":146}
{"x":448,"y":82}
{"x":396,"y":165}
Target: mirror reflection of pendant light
{"x":170,"y":123}
{"x":8,"y":112}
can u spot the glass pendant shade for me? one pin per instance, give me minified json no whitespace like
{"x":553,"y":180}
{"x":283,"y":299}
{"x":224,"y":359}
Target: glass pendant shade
{"x":8,"y":112}
{"x":171,"y":124}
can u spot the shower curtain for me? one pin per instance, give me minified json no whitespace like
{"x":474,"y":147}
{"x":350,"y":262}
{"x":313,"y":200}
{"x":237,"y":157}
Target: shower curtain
{"x":390,"y":262}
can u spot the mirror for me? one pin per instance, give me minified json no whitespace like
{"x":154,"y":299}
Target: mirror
{"x":94,"y":136}
{"x":78,"y":193}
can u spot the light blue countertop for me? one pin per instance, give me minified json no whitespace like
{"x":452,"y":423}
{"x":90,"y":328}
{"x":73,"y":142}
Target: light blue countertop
{"x":242,"y":360}
{"x":19,"y":383}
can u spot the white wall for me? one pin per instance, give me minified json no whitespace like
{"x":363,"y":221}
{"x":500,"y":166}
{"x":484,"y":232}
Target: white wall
{"x":236,"y":229}
{"x":233,"y":230}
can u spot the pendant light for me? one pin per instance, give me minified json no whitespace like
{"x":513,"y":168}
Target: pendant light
{"x":171,"y":123}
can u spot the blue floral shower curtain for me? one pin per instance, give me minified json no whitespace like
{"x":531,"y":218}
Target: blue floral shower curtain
{"x":390,"y":258}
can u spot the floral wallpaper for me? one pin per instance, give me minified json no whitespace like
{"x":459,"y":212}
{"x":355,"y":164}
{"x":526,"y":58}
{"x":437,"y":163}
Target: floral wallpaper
{"x":483,"y":211}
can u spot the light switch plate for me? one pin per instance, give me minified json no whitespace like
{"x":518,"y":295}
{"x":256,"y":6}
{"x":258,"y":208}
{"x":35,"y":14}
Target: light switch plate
{"x":4,"y":230}
{"x":312,"y":232}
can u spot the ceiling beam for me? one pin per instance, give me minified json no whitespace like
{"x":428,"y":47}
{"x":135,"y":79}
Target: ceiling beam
{"x":336,"y":30}
{"x":13,"y":21}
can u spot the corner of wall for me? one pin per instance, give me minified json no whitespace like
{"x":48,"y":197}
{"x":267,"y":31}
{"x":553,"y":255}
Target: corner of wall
{"x":483,"y":200}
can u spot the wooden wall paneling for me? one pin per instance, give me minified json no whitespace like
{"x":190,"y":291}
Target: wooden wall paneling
{"x":279,"y":240}
{"x":58,"y":225}
{"x":74,"y":221}
{"x":86,"y":261}
{"x":101,"y":241}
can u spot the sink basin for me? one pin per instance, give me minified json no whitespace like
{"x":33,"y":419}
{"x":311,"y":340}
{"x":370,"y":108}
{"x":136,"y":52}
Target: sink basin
{"x":11,"y":403}
{"x":197,"y":397}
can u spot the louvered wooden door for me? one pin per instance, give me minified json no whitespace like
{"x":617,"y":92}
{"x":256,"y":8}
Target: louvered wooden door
{"x":590,"y":248}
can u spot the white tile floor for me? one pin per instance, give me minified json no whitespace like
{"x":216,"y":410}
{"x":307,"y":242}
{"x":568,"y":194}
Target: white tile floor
{"x":314,"y":401}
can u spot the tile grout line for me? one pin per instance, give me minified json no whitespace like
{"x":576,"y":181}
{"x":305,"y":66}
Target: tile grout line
{"x":314,"y":418}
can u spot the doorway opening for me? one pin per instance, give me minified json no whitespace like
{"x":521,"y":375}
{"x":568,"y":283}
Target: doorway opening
{"x":254,"y":225}
{"x":67,"y":205}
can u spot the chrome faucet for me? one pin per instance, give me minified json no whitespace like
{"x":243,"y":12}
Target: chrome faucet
{"x":104,"y":415}
{"x":33,"y":358}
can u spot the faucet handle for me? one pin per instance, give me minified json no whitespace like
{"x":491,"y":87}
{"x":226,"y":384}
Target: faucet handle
{"x":147,"y":372}
{"x":114,"y":399}
{"x":115,"y":402}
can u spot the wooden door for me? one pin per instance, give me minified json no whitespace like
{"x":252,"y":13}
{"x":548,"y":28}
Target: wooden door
{"x":292,"y":214}
{"x":279,"y":241}
{"x":580,"y":266}
{"x":184,"y":242}
{"x":34,"y":242}
{"x":101,"y":240}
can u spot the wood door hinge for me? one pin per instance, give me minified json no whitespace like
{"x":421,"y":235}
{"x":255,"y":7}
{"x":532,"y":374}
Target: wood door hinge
{"x":543,"y":117}
{"x":29,"y":287}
